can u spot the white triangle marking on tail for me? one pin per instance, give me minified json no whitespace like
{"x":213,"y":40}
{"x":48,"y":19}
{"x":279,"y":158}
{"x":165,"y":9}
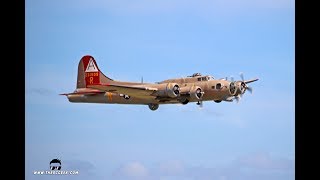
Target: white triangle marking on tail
{"x":91,"y":66}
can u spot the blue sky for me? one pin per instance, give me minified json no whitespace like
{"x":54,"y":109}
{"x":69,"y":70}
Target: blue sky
{"x":252,"y":139}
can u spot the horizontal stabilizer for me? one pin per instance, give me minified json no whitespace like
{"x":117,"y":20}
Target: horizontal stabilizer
{"x":86,"y":92}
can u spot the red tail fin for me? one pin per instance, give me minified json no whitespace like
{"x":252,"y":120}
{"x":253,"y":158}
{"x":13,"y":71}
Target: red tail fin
{"x":89,"y":73}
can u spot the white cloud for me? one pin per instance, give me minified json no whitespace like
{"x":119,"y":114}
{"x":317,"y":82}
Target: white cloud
{"x":134,"y":170}
{"x":250,"y":167}
{"x":172,"y":168}
{"x":263,"y":160}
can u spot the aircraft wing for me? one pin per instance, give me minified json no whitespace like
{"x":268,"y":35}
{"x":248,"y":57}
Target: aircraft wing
{"x":123,"y":89}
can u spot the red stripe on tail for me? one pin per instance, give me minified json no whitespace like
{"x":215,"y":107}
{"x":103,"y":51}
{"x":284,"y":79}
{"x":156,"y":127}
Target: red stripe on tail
{"x":91,"y":70}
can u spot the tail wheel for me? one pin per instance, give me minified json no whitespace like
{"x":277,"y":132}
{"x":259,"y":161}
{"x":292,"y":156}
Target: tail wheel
{"x":153,"y":107}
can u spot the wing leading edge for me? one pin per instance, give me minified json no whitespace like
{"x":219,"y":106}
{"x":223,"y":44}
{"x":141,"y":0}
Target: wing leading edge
{"x":123,"y":89}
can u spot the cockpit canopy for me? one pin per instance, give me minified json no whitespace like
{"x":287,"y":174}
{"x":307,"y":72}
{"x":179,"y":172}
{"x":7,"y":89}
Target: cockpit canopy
{"x":205,"y":78}
{"x":201,"y":78}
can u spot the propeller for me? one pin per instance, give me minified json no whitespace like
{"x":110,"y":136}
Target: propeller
{"x":237,"y":98}
{"x":241,"y":76}
{"x":200,"y":103}
{"x":199,"y":94}
{"x":246,"y":87}
{"x":242,"y":87}
{"x":176,"y":89}
{"x":249,"y":89}
{"x":231,"y":78}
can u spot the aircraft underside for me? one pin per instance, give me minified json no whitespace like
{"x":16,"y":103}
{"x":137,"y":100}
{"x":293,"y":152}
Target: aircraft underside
{"x":112,"y":98}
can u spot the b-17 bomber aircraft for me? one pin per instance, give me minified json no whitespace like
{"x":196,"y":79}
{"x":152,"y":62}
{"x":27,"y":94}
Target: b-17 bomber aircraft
{"x":95,"y":87}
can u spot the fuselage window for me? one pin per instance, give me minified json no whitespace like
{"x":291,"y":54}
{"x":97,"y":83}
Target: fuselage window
{"x":218,"y":86}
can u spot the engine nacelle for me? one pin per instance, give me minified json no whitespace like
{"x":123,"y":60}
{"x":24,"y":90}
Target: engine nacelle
{"x":193,"y":93}
{"x":168,"y":90}
{"x":240,"y":88}
{"x":232,"y":88}
{"x":196,"y":93}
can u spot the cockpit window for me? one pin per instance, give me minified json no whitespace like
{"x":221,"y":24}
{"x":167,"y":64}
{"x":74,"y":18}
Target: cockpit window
{"x":205,"y":78}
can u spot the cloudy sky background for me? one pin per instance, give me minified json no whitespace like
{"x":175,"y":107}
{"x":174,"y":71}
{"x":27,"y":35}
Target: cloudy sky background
{"x":161,"y":39}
